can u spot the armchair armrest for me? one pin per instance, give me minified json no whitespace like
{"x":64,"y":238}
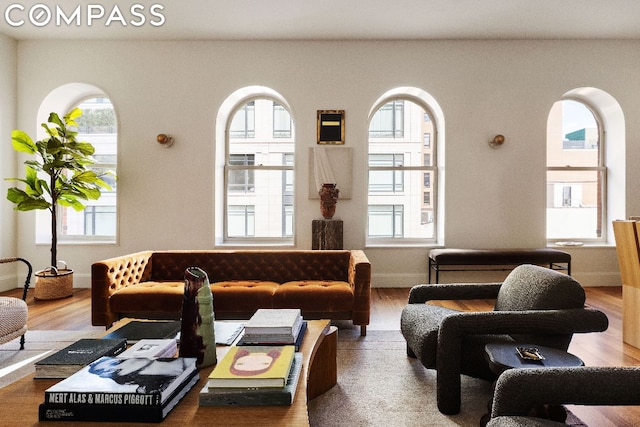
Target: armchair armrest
{"x":519,"y":390}
{"x":110,"y":275}
{"x":453,"y":291}
{"x":563,"y":321}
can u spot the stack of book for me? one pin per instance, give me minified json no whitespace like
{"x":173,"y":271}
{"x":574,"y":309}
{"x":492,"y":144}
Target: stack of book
{"x":74,"y":357}
{"x":274,"y":326}
{"x":121,"y":390}
{"x":254,"y":376}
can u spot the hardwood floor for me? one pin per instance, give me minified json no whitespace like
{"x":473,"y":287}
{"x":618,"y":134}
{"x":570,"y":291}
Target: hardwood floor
{"x":601,"y":349}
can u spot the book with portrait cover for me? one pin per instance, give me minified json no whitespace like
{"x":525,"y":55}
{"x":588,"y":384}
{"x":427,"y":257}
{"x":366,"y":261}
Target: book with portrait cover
{"x":74,"y":357}
{"x":269,"y":396}
{"x":253,"y":366}
{"x":123,"y":381}
{"x":119,"y":412}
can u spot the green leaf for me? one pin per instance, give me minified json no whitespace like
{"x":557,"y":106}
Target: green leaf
{"x":25,"y":202}
{"x":71,"y":116}
{"x":55,"y":119}
{"x":22,"y":142}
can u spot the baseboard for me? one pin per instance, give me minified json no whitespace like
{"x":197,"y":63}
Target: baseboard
{"x":388,"y":280}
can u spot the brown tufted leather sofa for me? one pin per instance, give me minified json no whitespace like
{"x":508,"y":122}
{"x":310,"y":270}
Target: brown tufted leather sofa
{"x":150,"y":284}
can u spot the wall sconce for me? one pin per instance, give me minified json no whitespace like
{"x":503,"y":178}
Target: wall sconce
{"x":165,"y":140}
{"x":497,"y":141}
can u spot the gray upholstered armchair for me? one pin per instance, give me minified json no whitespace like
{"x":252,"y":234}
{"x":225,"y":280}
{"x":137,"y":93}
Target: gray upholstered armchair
{"x":534,"y":305}
{"x":518,"y":391}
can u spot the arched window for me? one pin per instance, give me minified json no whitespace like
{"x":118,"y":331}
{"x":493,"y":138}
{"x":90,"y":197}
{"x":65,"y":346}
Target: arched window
{"x":257,"y":181}
{"x":403,"y":169}
{"x":98,"y":125}
{"x":580,"y":197}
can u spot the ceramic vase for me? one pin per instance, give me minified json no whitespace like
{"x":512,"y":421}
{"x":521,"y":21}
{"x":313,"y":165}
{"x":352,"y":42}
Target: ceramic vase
{"x":328,"y":199}
{"x":197,"y":336}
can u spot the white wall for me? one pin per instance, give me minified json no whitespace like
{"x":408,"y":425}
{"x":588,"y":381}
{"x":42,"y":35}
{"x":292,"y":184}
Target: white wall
{"x":8,"y":244}
{"x":483,"y":87}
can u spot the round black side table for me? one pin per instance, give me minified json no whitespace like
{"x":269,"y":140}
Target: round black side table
{"x":503,"y":356}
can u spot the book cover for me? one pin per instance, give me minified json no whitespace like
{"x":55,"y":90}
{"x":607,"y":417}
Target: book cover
{"x":151,"y":348}
{"x":253,"y":366}
{"x":123,"y":381}
{"x":255,"y":396}
{"x":72,"y":358}
{"x":274,"y":321}
{"x":118,"y":413}
{"x":136,"y":330}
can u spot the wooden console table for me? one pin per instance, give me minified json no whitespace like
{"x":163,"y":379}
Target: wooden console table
{"x":19,"y":401}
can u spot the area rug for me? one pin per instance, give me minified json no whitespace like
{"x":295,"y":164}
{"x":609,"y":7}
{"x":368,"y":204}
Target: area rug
{"x":16,"y":363}
{"x":378,"y":385}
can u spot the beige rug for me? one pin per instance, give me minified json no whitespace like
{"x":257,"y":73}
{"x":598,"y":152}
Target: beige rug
{"x":378,"y":385}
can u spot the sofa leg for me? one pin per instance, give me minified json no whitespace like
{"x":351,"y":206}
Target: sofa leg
{"x":363,"y":330}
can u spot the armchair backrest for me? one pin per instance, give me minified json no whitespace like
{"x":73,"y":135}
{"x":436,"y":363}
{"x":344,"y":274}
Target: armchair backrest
{"x":531,"y":287}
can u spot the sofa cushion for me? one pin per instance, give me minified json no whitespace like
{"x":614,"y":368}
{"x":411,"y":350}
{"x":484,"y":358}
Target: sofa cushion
{"x":149,"y":297}
{"x":242,"y":296}
{"x":305,"y":294}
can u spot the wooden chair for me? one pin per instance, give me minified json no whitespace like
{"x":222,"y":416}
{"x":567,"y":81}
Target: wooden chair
{"x":13,"y":311}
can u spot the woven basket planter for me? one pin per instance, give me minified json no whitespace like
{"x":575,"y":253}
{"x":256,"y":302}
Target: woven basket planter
{"x":53,"y":283}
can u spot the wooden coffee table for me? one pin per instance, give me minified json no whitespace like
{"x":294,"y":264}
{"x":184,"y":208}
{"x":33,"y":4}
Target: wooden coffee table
{"x":19,"y":401}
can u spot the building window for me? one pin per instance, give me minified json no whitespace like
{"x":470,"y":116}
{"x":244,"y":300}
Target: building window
{"x":241,"y":178}
{"x":388,"y":121}
{"x":386,"y":221}
{"x":401,"y":170}
{"x":98,"y":126}
{"x":576,"y":173}
{"x":243,"y":124}
{"x":259,"y":173}
{"x":241,"y":221}
{"x":387,"y":179}
{"x":281,"y":122}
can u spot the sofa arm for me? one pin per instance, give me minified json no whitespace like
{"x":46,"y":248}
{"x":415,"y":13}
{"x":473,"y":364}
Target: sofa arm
{"x":360,"y":281}
{"x":108,"y":276}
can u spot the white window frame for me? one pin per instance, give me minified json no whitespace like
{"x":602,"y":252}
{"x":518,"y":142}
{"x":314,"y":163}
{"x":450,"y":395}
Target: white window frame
{"x":61,"y":100}
{"x":226,"y":113}
{"x":430,"y":107}
{"x":600,"y":168}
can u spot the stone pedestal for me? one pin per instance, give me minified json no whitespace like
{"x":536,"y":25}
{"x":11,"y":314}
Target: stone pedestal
{"x":326,"y":234}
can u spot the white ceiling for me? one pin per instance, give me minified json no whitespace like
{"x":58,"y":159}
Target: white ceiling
{"x":335,"y":19}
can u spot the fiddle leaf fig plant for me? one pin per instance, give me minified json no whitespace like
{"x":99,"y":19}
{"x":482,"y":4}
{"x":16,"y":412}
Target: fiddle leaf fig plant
{"x":59,"y":174}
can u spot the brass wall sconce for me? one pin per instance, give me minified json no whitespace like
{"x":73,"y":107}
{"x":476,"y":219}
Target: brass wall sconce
{"x":165,"y":140}
{"x":497,"y":141}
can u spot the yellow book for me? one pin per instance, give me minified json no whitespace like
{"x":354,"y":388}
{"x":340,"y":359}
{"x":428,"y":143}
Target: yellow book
{"x":253,"y":367}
